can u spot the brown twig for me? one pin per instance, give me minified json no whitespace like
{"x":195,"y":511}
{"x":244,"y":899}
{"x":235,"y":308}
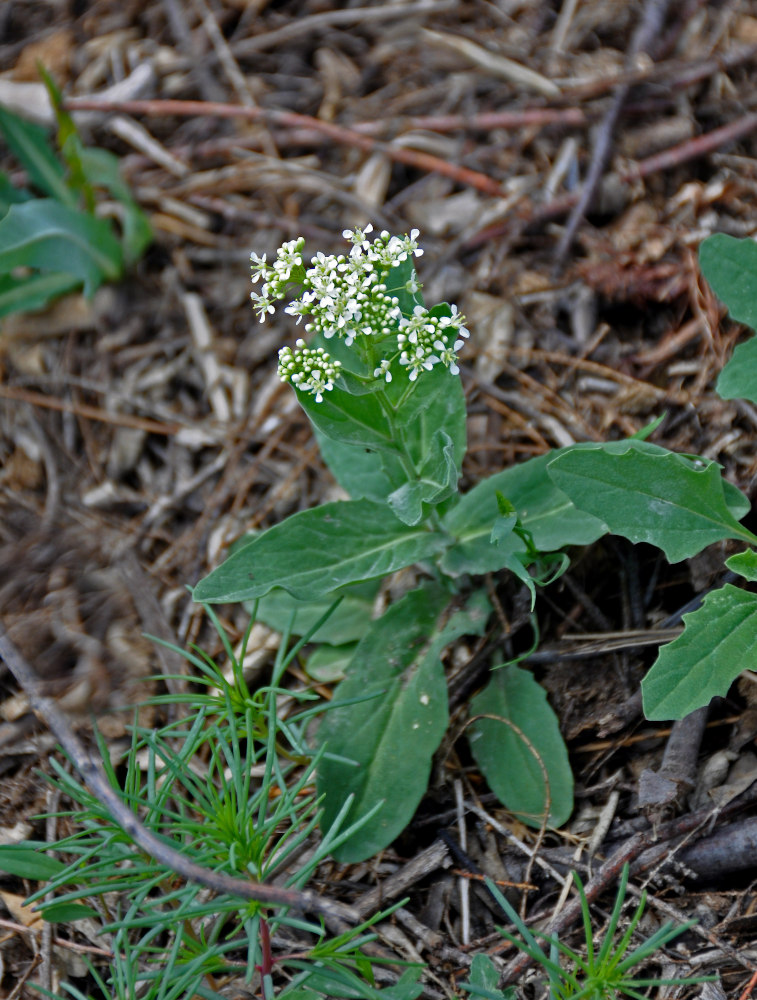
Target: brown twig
{"x":531,"y":214}
{"x":654,"y":15}
{"x":291,"y":119}
{"x":96,"y":780}
{"x":85,"y":410}
{"x":627,"y":853}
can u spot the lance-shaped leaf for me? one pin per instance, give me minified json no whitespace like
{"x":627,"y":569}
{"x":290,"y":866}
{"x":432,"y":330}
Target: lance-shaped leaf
{"x":30,"y":143}
{"x":379,"y":748}
{"x":48,"y":236}
{"x":519,"y":744}
{"x":718,"y":642}
{"x":667,"y":500}
{"x":317,"y":551}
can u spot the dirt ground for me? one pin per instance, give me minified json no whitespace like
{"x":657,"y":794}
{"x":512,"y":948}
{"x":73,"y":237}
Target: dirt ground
{"x":143,"y":431}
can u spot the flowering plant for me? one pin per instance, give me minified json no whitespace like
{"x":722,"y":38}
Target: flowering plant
{"x":379,"y":382}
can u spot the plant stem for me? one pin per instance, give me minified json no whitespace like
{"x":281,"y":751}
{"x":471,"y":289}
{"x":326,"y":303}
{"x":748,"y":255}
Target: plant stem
{"x":266,"y":959}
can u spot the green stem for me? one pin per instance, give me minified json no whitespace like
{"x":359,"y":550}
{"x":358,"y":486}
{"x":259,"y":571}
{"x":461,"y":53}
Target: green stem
{"x":390,"y":411}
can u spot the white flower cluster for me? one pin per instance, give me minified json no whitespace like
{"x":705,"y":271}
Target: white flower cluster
{"x":310,"y":370}
{"x":425,"y":340}
{"x":347,"y":297}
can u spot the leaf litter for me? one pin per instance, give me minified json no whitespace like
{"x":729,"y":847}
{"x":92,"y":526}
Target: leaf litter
{"x":145,"y":430}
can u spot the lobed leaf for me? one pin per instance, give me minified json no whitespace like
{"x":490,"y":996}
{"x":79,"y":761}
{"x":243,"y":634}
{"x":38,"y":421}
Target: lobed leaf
{"x":318,"y":551}
{"x":649,"y":495}
{"x":718,"y":642}
{"x":509,"y":761}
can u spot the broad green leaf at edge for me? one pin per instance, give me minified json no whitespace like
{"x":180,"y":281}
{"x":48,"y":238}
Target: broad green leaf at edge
{"x":718,"y":642}
{"x":320,"y":550}
{"x":662,"y":499}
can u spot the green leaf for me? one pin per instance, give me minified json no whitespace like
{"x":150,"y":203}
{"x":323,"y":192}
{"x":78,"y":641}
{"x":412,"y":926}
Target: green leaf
{"x":33,"y":291}
{"x":730,"y":266}
{"x":507,"y":751}
{"x":718,"y":642}
{"x":432,"y":414}
{"x":30,"y":144}
{"x":48,"y":236}
{"x":349,"y":418}
{"x":664,"y":499}
{"x":25,"y":861}
{"x":67,"y":913}
{"x":318,"y":551}
{"x":327,"y":664}
{"x":103,"y":170}
{"x":10,"y":194}
{"x":380,"y":747}
{"x":437,"y":480}
{"x":484,"y":973}
{"x":396,"y":283}
{"x":745,"y":564}
{"x":738,"y":379}
{"x":346,"y":624}
{"x":543,"y":509}
{"x":362,"y":472}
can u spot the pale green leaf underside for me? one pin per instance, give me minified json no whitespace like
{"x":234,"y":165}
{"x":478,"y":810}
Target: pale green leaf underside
{"x":718,"y":642}
{"x":660,"y":498}
{"x":506,"y":761}
{"x":33,"y":291}
{"x":318,"y":551}
{"x":347,"y":623}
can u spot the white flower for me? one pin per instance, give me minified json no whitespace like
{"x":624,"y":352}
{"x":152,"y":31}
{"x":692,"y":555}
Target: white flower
{"x":259,"y":267}
{"x":262,"y":304}
{"x":383,"y":371}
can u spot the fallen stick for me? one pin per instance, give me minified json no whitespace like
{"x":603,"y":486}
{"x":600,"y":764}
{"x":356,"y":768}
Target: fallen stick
{"x":96,"y":780}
